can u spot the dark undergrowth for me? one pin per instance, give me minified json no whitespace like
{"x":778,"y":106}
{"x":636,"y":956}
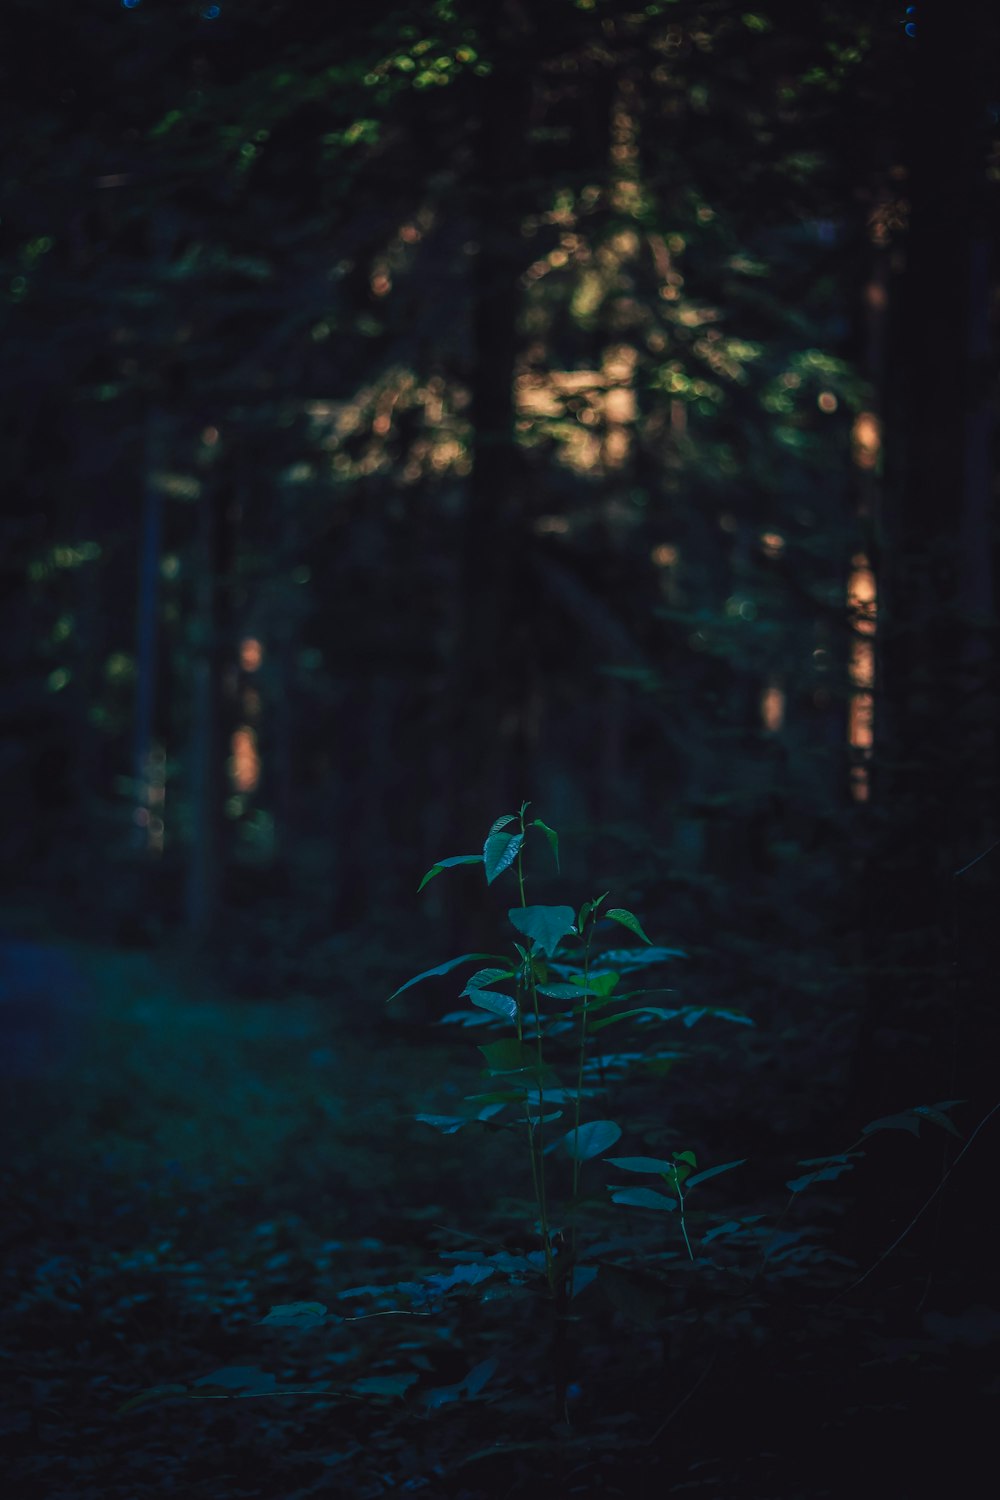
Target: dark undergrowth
{"x":177,"y":1163}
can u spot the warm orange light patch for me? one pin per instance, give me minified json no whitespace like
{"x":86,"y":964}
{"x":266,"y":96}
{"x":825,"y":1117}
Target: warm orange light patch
{"x":772,"y":543}
{"x":772,"y":707}
{"x":866,"y":439}
{"x":251,"y":654}
{"x":664,"y":555}
{"x":244,"y":764}
{"x":862,"y":604}
{"x":827,"y":401}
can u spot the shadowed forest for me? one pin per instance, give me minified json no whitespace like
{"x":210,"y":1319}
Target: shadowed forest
{"x":500,"y":747}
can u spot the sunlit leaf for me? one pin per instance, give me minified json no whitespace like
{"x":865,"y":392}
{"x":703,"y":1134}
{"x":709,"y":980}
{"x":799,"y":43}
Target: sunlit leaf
{"x":591,"y":1139}
{"x":638,"y":958}
{"x":713,"y":1172}
{"x":296,"y":1315}
{"x":626,"y":918}
{"x":445,"y":968}
{"x":504,"y":1006}
{"x":447,"y":1124}
{"x":640,"y":1010}
{"x":508,"y":1056}
{"x":448,"y":864}
{"x":641,"y":1197}
{"x":500,"y":852}
{"x":552,"y":837}
{"x":482,"y":979}
{"x":545,"y":925}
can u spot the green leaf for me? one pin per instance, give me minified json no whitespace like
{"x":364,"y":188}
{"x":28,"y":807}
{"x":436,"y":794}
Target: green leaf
{"x":825,"y":1174}
{"x":686,"y":1156}
{"x":619,"y":914}
{"x":713,"y":1172}
{"x":641,"y":1010}
{"x":597,"y":984}
{"x":235,"y":1380}
{"x":907,"y":1120}
{"x":499,"y":1005}
{"x":154,"y":1393}
{"x":642,"y":1198}
{"x":552,"y":837}
{"x":508,"y":1056}
{"x":637,"y":958}
{"x":652,"y":1164}
{"x":567,"y":991}
{"x":447,"y":864}
{"x":445,"y":968}
{"x":384,"y":1385}
{"x":591,"y":1139}
{"x":500,"y":852}
{"x":482,"y":979}
{"x":544,"y":924}
{"x":447,"y":1124}
{"x":296,"y":1315}
{"x":503,"y":822}
{"x":588,"y":907}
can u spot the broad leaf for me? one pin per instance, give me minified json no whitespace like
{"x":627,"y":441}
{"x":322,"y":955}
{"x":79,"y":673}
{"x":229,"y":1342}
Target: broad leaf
{"x":447,"y":1124}
{"x":483,"y":979}
{"x":652,"y":1164}
{"x":641,"y":1010}
{"x":546,"y":925}
{"x":552,"y":837}
{"x":235,"y":1380}
{"x":591,"y":1139}
{"x":638,"y":958}
{"x":500,"y":1005}
{"x":825,"y":1174}
{"x":503,"y":822}
{"x":296,"y":1315}
{"x":508,"y":1056}
{"x":445,"y":968}
{"x":500,"y":852}
{"x":619,"y":914}
{"x":713,"y":1172}
{"x":568,"y":991}
{"x":642,"y":1198}
{"x":448,"y":864}
{"x":384,"y":1385}
{"x":909,"y":1119}
{"x":597,"y":984}
{"x":588,"y":907}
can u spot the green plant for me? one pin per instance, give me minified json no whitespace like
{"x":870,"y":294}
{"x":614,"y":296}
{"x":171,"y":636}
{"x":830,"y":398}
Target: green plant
{"x":556,"y":995}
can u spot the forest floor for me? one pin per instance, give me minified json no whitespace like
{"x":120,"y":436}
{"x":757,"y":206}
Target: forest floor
{"x":179,"y":1161}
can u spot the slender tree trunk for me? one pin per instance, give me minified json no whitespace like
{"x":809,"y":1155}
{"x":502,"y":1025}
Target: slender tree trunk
{"x":208,"y":744}
{"x":928,"y":1030}
{"x":147,"y":626}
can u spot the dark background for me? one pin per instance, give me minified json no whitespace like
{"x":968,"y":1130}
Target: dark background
{"x":410,"y":410}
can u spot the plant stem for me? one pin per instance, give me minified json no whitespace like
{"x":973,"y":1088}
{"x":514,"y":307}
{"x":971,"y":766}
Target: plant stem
{"x":579,"y":1082}
{"x":536,"y":1148}
{"x":680,"y":1199}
